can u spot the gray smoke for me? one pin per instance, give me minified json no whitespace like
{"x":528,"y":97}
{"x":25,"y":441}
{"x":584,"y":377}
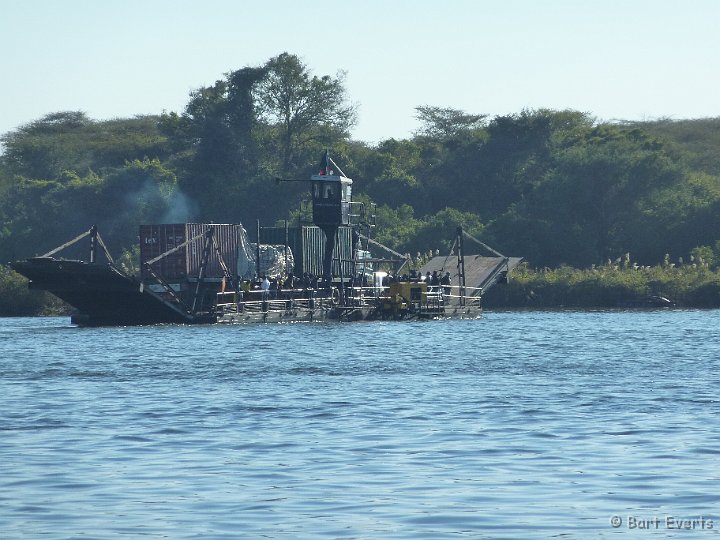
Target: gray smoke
{"x":181,"y":209}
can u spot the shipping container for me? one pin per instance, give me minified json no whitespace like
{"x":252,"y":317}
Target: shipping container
{"x":226,"y":237}
{"x":156,"y":240}
{"x":184,"y":264}
{"x":307,"y":245}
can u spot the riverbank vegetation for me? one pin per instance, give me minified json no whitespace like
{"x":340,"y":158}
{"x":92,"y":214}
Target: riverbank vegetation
{"x":16,"y":300}
{"x":608,"y":287}
{"x":570,"y":194}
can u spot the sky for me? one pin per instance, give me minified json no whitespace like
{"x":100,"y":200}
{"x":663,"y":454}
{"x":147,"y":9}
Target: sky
{"x":613,"y":59}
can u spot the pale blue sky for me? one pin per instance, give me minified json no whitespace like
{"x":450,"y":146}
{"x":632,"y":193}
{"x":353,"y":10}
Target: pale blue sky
{"x":632,"y":59}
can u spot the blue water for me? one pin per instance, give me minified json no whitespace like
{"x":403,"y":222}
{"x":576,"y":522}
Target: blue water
{"x":518,"y":425}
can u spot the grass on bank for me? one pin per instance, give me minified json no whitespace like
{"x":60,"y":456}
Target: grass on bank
{"x":692,"y":285}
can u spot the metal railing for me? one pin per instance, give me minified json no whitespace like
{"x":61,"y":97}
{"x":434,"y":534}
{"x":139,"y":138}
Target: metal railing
{"x":434,"y":301}
{"x":277,"y":300}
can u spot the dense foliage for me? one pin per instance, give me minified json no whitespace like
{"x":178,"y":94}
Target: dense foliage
{"x":16,"y":300}
{"x":555,"y":187}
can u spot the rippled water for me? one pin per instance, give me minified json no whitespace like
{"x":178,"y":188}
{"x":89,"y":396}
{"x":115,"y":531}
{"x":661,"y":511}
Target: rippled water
{"x":519,"y":425}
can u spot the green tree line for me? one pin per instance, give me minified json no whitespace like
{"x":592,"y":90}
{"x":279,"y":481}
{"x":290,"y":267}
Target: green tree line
{"x":554,"y":186}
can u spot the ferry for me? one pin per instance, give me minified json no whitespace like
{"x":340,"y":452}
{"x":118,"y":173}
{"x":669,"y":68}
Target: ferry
{"x":199,"y":273}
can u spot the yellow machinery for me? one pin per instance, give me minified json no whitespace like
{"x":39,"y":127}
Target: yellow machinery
{"x":404,"y":295}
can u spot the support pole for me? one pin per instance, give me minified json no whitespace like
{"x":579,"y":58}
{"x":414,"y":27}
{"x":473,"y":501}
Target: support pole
{"x":203,"y":267}
{"x":340,"y":269}
{"x":287,"y":234}
{"x":169,"y":290}
{"x":461,"y":265}
{"x":257,"y":251}
{"x":330,"y":236}
{"x":93,"y":244}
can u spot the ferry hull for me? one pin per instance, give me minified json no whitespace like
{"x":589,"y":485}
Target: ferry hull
{"x":101,"y":294}
{"x":104,"y":296}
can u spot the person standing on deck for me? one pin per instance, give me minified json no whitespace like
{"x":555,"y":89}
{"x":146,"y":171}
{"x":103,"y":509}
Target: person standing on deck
{"x":265,"y":286}
{"x":435,"y":281}
{"x":445,"y":281}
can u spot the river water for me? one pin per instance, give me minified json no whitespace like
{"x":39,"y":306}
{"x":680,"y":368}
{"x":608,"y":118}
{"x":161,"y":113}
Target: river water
{"x":517,"y":425}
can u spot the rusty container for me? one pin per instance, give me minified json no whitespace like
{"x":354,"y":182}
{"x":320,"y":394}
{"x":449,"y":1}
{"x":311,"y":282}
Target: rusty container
{"x":184,"y":264}
{"x":156,"y":240}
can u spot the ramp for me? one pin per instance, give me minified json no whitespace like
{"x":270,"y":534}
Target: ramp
{"x":481,"y":272}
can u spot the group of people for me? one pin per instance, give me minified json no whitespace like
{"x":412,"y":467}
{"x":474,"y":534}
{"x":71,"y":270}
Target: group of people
{"x":272,"y":287}
{"x":433,"y":280}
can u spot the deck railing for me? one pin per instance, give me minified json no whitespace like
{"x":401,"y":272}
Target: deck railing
{"x":257,"y":301}
{"x":435,"y":300}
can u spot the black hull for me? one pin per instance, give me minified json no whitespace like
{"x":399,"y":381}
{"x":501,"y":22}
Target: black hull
{"x":102,"y":294}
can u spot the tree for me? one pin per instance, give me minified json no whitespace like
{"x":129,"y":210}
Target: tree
{"x":279,"y":108}
{"x":38,"y":215}
{"x":298,"y":104}
{"x":580,"y":210}
{"x":44,"y":148}
{"x":58,"y":142}
{"x":391,"y":169}
{"x":675,"y":218}
{"x":437,"y":232}
{"x":519,"y":151}
{"x":445,"y":123}
{"x":396,"y":227}
{"x":27,"y":226}
{"x":215,"y":143}
{"x":696,"y":141}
